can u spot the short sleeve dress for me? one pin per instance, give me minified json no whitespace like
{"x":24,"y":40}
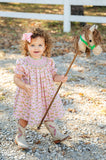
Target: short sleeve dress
{"x":37,"y":73}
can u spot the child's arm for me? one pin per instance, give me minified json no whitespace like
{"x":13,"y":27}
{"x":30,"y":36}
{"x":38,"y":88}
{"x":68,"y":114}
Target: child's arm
{"x":59,"y":78}
{"x":21,"y":84}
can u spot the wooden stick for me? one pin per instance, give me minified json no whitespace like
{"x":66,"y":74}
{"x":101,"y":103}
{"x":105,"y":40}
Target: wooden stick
{"x":57,"y":92}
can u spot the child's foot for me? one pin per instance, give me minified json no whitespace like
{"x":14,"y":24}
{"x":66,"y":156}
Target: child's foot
{"x":20,"y":138}
{"x":55,"y":132}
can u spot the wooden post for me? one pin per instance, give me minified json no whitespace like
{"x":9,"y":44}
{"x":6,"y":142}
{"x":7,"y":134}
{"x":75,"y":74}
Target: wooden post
{"x":67,"y":12}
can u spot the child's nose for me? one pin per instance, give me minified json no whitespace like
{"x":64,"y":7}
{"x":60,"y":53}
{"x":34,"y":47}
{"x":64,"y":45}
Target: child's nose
{"x":36,"y":47}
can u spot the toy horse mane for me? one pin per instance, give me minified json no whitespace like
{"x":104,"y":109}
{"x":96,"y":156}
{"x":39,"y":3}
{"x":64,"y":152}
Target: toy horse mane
{"x":86,"y":31}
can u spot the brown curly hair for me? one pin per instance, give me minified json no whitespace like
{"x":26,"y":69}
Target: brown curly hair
{"x":38,"y":32}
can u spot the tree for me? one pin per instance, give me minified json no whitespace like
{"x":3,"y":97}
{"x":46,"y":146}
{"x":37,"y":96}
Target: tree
{"x":78,"y":10}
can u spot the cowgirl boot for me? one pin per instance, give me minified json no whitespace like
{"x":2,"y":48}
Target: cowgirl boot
{"x":20,"y":138}
{"x":55,"y":132}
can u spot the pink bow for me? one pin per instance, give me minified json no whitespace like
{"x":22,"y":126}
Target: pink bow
{"x":27,"y":37}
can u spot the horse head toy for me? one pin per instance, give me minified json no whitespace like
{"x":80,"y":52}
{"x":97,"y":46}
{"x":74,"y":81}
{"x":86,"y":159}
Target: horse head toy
{"x":90,"y":39}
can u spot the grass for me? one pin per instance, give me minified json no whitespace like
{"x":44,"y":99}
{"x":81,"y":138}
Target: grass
{"x":32,"y":8}
{"x":95,"y":11}
{"x":11,"y":29}
{"x":53,"y":9}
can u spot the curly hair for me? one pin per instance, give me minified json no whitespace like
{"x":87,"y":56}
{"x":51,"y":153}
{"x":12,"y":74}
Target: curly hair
{"x":38,"y":32}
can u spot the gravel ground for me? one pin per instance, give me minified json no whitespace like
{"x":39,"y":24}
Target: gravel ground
{"x":83,"y":96}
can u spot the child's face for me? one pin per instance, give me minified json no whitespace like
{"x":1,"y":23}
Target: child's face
{"x":37,"y":47}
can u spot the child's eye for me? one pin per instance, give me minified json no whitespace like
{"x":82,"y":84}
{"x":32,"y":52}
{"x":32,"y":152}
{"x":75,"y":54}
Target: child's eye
{"x":40,"y":45}
{"x":32,"y":45}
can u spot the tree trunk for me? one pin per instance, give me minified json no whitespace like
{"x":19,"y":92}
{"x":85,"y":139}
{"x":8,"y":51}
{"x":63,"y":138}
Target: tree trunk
{"x":78,"y":10}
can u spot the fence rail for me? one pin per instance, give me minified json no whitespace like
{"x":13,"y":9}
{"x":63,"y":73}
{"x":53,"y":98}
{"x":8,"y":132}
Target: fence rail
{"x":66,"y":17}
{"x":60,"y":2}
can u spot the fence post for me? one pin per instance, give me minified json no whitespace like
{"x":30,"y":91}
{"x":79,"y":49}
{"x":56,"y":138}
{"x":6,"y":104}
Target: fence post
{"x":67,"y":12}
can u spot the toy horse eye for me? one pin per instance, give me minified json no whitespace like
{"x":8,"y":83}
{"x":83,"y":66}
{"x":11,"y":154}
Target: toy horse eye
{"x":90,"y":40}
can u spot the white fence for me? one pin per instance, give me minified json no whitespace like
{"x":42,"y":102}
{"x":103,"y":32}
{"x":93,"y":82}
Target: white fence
{"x":66,"y":17}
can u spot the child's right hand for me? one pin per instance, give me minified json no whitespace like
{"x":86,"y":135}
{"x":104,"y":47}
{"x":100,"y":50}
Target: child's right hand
{"x":28,"y":89}
{"x":21,"y":84}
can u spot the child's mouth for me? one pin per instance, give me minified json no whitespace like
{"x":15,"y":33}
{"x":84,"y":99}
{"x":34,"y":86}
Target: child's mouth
{"x":36,"y":52}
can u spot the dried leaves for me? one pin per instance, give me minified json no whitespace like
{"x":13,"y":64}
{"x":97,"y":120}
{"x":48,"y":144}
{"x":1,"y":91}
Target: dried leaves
{"x":72,"y":110}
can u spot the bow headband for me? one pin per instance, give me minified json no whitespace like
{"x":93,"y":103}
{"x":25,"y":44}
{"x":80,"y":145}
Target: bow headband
{"x":27,"y":37}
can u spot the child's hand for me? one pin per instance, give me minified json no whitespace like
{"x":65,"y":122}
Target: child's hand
{"x":28,"y":89}
{"x":60,"y":78}
{"x":63,"y":78}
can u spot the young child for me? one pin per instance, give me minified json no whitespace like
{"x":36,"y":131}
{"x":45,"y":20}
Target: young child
{"x":35,"y":75}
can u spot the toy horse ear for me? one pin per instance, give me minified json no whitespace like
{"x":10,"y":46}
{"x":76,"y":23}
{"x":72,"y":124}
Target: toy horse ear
{"x":92,"y":28}
{"x":96,"y":26}
{"x":97,"y":37}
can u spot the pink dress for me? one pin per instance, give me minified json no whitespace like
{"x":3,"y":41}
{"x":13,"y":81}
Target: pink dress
{"x":37,"y":73}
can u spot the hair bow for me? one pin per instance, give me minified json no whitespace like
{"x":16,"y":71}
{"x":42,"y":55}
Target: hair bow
{"x":27,"y":37}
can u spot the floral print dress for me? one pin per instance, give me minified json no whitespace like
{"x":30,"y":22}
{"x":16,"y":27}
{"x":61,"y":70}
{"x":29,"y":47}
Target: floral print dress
{"x":37,"y":73}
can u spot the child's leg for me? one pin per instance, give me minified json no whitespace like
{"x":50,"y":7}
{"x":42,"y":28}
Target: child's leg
{"x":23,"y":122}
{"x":55,"y":131}
{"x":20,"y":137}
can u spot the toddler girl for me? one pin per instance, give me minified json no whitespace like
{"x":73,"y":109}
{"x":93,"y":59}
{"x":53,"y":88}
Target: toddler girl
{"x":35,"y":75}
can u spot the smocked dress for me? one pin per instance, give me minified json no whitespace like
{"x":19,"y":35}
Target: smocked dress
{"x":37,"y":73}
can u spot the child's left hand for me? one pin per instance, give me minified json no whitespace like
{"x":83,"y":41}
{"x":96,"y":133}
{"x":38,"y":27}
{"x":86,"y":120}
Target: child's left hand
{"x":60,"y":78}
{"x":63,"y":78}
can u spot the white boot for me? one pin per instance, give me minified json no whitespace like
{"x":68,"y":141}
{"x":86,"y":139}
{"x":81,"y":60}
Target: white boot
{"x":20,"y":138}
{"x":55,"y":132}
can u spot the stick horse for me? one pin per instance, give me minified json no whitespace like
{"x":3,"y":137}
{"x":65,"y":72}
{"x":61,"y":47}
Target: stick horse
{"x":90,"y":39}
